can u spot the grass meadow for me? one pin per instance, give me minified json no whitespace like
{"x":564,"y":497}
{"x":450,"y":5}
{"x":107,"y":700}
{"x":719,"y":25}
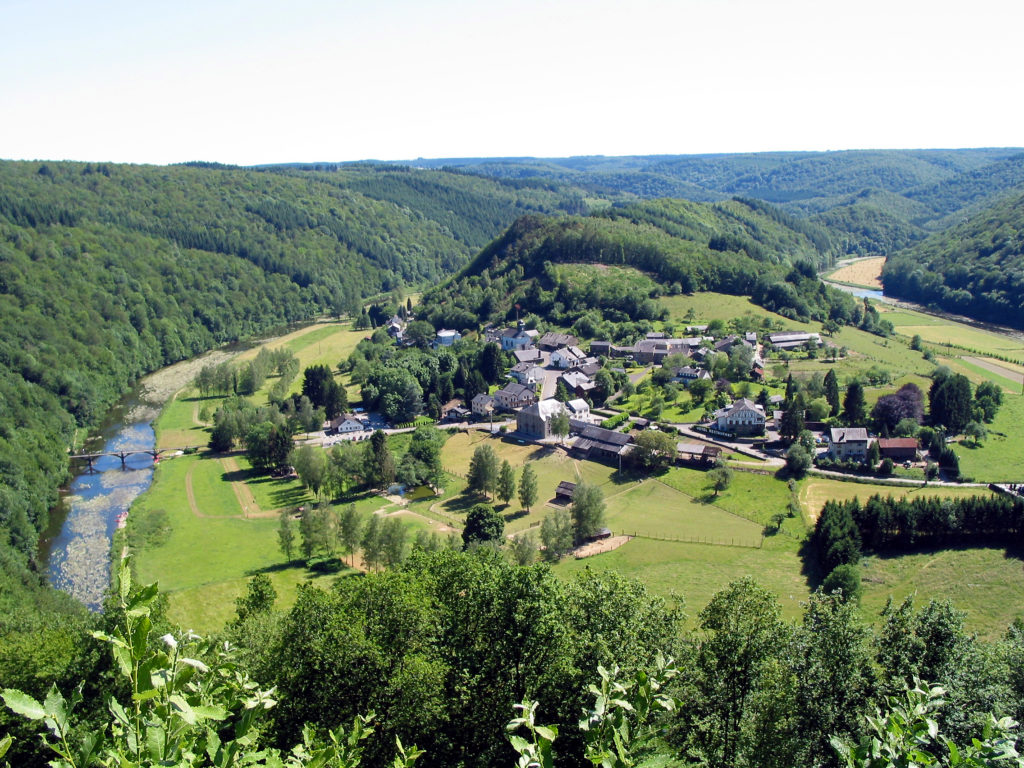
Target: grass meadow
{"x":223,"y":517}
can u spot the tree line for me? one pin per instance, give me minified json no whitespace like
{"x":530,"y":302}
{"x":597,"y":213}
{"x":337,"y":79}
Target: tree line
{"x":846,"y":528}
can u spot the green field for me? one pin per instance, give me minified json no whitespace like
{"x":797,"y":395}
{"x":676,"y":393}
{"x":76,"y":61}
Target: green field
{"x":939,"y":332}
{"x":697,"y":571}
{"x":753,"y":496}
{"x":224,"y":523}
{"x":999,"y":458}
{"x":328,"y":343}
{"x":653,"y":509}
{"x":977,"y":374}
{"x":815,"y":491}
{"x":179,"y":425}
{"x":987,"y":583}
{"x":719,"y":306}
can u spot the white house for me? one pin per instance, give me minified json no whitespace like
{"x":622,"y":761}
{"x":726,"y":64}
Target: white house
{"x":567,"y":357}
{"x":512,"y":397}
{"x":482,"y":405}
{"x":744,"y":417}
{"x":345,"y":425}
{"x":848,"y":443}
{"x":446,"y":337}
{"x":535,"y":420}
{"x":527,"y":373}
{"x":517,"y":338}
{"x":578,"y":409}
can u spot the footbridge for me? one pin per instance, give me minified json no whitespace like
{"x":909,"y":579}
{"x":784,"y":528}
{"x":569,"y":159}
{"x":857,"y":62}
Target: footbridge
{"x":123,"y":454}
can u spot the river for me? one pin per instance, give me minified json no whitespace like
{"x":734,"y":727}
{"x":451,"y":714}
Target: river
{"x":77,"y":554}
{"x":76,"y":547}
{"x":860,"y":293}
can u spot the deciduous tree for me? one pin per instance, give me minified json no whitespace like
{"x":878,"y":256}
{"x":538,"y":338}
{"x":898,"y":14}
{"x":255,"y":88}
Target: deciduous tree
{"x":528,"y":487}
{"x":587,"y":511}
{"x":483,"y":525}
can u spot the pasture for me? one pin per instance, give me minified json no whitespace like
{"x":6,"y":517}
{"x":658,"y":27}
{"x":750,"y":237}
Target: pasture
{"x":987,"y":583}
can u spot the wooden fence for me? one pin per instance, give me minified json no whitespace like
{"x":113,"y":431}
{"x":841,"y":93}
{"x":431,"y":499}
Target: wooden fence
{"x":732,"y":542}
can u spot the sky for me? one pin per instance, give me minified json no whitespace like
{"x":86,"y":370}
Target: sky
{"x":312,"y":80}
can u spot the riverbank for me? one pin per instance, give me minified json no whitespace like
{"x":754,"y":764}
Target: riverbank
{"x":81,"y":541}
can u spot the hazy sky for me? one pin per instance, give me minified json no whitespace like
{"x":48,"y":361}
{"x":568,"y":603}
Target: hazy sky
{"x":305,"y":80}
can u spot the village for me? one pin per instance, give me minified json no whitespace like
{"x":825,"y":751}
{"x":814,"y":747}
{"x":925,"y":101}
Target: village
{"x":548,"y":399}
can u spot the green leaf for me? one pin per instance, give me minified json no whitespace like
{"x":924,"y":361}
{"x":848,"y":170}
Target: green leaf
{"x":195,"y":663}
{"x":123,"y":657}
{"x":547,"y":732}
{"x":5,"y":744}
{"x":214,"y":712}
{"x":140,"y":637}
{"x":139,"y":604}
{"x":117,"y":711}
{"x":183,"y":708}
{"x":23,"y":704}
{"x":146,"y":695}
{"x":124,"y":578}
{"x":519,"y":744}
{"x":56,"y":707}
{"x":90,"y":742}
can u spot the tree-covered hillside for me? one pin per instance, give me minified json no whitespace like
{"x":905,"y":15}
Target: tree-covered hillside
{"x":975,"y":268}
{"x":739,"y":247}
{"x":876,"y":201}
{"x":108,"y":272}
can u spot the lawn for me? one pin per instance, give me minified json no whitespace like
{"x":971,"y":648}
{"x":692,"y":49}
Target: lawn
{"x":978,"y":374}
{"x":753,"y":496}
{"x":217,"y":544}
{"x":998,"y":458}
{"x":208,"y":608}
{"x":719,"y":306}
{"x":179,"y":426}
{"x":269,"y":493}
{"x":653,"y":509}
{"x":327,"y":344}
{"x":697,"y":571}
{"x":957,"y":335}
{"x":987,"y":583}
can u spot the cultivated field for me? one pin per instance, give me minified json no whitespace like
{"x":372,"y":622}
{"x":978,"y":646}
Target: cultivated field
{"x":817,"y":490}
{"x":866,"y":273}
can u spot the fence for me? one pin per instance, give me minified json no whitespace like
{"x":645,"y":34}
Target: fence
{"x":745,"y":543}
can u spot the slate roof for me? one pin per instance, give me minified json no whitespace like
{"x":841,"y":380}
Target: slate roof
{"x":848,"y":435}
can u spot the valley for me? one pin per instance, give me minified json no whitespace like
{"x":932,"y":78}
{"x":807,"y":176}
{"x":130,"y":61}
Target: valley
{"x":688,"y":543}
{"x":678,"y":293}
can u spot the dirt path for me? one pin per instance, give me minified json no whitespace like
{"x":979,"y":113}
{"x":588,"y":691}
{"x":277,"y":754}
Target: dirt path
{"x":190,"y":494}
{"x":242,"y":492}
{"x":996,"y":368}
{"x":251,"y":510}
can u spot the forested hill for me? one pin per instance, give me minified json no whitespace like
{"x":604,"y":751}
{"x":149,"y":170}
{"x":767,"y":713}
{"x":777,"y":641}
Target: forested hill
{"x":975,"y":268}
{"x":108,"y":272}
{"x":739,"y":247}
{"x":877,"y":201}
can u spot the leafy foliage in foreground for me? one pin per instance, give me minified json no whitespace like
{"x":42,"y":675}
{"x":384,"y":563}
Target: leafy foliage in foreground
{"x":187,"y":704}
